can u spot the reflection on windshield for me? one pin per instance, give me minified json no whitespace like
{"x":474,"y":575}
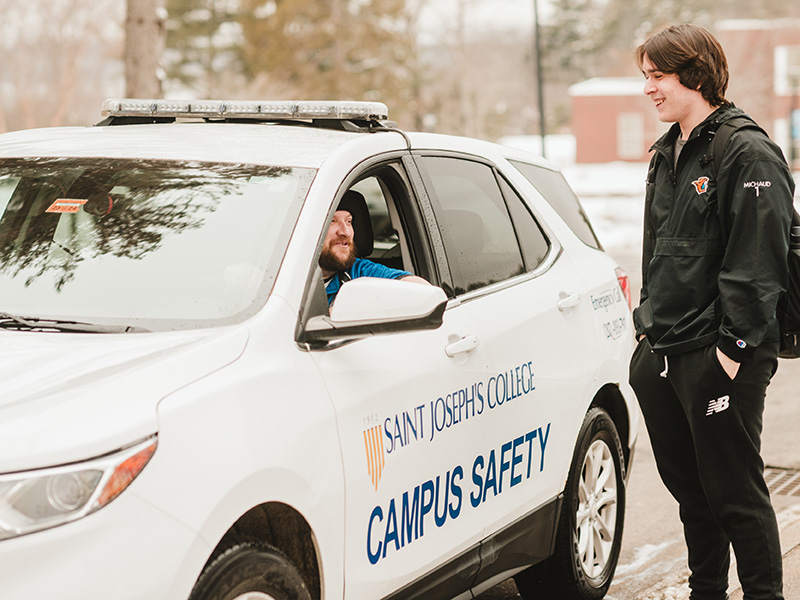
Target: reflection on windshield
{"x":162,"y":243}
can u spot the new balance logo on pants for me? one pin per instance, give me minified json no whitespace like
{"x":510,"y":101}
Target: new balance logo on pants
{"x":718,"y":405}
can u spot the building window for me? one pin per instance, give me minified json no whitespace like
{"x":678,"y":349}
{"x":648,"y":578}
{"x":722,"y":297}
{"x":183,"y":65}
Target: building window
{"x":630,"y":136}
{"x":787,"y":70}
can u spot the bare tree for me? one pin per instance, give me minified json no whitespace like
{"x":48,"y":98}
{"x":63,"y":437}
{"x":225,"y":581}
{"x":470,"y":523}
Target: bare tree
{"x":58,"y":60}
{"x":144,"y":44}
{"x":480,"y":79}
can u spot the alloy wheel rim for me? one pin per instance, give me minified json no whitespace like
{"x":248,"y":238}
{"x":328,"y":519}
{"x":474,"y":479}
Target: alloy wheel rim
{"x":596,"y":518}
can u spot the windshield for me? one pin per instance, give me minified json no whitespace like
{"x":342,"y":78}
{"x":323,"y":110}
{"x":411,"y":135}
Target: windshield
{"x":155,"y":244}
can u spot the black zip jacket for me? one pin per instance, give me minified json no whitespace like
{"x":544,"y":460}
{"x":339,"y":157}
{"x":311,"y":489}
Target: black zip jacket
{"x":714,"y":250}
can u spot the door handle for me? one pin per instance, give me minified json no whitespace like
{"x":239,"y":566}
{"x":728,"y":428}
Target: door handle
{"x":462,"y":346}
{"x":567,"y":301}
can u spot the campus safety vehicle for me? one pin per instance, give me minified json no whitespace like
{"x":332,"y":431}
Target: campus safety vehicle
{"x":182,"y":415}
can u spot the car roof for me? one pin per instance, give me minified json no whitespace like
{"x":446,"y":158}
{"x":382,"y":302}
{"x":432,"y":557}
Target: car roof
{"x":268,"y":144}
{"x":480,"y":148}
{"x":248,"y":142}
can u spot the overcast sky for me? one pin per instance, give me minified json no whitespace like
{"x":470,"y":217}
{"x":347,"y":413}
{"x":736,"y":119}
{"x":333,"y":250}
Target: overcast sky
{"x":486,"y":14}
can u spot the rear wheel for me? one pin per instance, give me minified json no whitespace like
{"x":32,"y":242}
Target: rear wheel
{"x":590,"y":527}
{"x":250,"y":571}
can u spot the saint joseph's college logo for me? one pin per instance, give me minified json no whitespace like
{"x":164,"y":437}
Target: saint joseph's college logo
{"x":373,"y":446}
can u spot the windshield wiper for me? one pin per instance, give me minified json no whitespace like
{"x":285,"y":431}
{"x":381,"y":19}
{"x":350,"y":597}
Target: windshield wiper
{"x":9,"y":321}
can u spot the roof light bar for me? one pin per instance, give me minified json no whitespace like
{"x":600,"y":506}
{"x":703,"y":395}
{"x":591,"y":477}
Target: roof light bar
{"x":256,"y":109}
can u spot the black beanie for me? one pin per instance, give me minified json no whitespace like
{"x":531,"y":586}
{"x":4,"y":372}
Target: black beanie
{"x":354,"y":203}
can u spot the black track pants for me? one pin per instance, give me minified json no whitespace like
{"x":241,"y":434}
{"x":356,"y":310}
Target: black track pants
{"x":705,"y":430}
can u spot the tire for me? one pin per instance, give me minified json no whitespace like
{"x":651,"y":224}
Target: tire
{"x":589,"y":534}
{"x":250,"y":571}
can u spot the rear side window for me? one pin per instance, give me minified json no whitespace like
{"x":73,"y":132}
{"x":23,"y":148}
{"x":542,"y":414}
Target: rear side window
{"x":556,"y":190}
{"x":532,"y":240}
{"x":479,"y":238}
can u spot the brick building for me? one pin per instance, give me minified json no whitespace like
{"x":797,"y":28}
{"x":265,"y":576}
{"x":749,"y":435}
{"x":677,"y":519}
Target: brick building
{"x":613,"y":120}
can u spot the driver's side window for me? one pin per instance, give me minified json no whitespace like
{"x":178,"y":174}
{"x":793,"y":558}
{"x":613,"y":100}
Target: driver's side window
{"x":394,"y":246}
{"x":386,"y":241}
{"x":398,"y":241}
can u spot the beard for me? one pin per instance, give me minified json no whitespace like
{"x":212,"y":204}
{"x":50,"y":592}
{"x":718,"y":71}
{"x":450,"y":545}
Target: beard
{"x":330,"y":261}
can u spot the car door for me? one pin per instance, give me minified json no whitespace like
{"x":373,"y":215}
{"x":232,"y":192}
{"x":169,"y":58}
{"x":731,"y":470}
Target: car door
{"x":408,"y":409}
{"x":534,"y":322}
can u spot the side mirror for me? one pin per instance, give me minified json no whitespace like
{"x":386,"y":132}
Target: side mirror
{"x":369,"y":306}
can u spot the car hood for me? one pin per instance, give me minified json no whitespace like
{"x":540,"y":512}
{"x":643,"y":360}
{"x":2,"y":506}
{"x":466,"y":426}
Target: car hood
{"x":67,"y":397}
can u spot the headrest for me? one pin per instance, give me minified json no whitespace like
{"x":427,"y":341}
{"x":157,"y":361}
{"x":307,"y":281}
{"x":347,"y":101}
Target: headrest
{"x":354,"y":203}
{"x":466,"y":227}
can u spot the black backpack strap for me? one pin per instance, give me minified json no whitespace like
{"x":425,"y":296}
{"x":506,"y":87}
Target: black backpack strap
{"x":720,"y":143}
{"x":718,"y":146}
{"x":723,"y":136}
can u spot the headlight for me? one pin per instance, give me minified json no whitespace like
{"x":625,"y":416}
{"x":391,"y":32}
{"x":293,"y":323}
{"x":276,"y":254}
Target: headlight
{"x":44,"y":498}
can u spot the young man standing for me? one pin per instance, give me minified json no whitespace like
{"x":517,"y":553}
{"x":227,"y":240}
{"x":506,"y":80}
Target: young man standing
{"x":713,"y":268}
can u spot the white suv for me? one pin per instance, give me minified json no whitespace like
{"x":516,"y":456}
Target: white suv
{"x":182,"y":416}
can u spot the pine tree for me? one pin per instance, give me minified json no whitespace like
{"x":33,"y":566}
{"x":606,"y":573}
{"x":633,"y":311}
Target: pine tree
{"x":328,"y":49}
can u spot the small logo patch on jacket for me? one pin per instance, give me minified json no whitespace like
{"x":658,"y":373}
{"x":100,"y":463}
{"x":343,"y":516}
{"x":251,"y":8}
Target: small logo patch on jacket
{"x":701,"y":185}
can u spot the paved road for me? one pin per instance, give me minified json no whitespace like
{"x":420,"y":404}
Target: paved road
{"x":653,"y":561}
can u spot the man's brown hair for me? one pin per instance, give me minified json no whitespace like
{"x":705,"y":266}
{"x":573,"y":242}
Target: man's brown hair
{"x":694,"y":55}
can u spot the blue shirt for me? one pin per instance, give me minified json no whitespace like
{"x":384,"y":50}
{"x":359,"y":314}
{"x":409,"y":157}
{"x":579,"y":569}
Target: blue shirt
{"x":362,"y":268}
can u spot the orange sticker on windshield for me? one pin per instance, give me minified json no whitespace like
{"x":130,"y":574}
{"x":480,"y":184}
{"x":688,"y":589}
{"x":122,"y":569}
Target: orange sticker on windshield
{"x":66,"y":205}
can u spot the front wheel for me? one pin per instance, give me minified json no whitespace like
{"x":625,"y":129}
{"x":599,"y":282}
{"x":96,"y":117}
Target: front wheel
{"x":250,"y":571}
{"x":589,"y":533}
